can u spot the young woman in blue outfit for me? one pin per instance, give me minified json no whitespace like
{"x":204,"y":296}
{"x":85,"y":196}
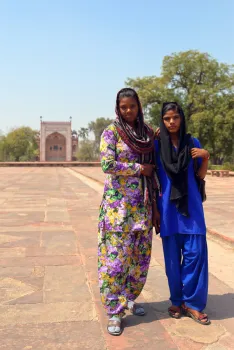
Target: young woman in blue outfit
{"x":182,"y":223}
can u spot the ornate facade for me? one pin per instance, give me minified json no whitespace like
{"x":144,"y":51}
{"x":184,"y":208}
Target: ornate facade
{"x":57,"y":142}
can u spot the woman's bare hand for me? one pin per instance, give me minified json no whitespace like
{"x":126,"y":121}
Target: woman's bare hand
{"x":199,"y":153}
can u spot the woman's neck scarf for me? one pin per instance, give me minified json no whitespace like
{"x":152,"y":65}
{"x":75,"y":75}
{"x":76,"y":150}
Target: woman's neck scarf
{"x":141,"y":141}
{"x":175,"y":163}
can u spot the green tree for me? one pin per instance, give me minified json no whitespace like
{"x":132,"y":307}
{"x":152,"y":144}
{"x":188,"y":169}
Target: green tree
{"x":83,"y":133}
{"x":86,"y":151}
{"x":214,"y":128}
{"x":20,"y":145}
{"x":2,"y":147}
{"x":153,"y":92}
{"x":199,"y":79}
{"x":97,"y":127}
{"x":205,"y":89}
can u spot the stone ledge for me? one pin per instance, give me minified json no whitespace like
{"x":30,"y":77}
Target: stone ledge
{"x":213,"y":172}
{"x":49,"y":164}
{"x":220,"y":237}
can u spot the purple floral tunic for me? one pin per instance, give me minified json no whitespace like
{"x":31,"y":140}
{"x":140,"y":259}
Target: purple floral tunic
{"x":122,"y":208}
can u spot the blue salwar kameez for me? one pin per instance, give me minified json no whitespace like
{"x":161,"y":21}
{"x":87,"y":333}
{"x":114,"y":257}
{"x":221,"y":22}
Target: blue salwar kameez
{"x":184,"y":242}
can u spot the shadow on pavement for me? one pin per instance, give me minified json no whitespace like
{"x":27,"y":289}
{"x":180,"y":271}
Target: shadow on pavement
{"x":220,"y":307}
{"x":155,"y":311}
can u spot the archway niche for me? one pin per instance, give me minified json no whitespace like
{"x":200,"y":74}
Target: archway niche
{"x":55,"y":147}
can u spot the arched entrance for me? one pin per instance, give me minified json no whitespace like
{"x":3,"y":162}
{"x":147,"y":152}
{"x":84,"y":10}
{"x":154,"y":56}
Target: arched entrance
{"x":55,"y":147}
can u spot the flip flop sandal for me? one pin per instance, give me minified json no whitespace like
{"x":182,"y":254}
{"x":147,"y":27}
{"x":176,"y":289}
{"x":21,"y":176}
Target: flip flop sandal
{"x":137,"y":310}
{"x":199,"y":319}
{"x":175,"y":313}
{"x":115,"y":323}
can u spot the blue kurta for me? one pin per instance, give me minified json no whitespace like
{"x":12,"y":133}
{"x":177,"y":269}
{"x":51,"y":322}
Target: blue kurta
{"x":171,"y":221}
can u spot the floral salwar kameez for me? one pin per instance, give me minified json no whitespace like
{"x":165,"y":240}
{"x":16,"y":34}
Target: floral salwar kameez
{"x":125,"y":226}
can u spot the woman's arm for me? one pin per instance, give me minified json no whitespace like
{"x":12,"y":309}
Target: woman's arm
{"x":204,"y":160}
{"x":204,"y":166}
{"x":108,"y":157}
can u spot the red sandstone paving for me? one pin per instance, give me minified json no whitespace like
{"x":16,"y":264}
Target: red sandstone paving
{"x":159,"y":294}
{"x":49,"y":270}
{"x":62,"y":335}
{"x":57,"y":271}
{"x":219,"y":207}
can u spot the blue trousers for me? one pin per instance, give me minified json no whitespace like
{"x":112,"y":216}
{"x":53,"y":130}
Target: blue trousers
{"x":186,"y":263}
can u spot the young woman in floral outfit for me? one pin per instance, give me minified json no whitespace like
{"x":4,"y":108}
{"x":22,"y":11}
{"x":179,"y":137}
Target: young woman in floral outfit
{"x":128,"y":210}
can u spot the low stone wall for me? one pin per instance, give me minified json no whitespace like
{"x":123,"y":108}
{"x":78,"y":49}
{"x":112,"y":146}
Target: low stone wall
{"x":49,"y":164}
{"x":64,"y":164}
{"x":218,"y":172}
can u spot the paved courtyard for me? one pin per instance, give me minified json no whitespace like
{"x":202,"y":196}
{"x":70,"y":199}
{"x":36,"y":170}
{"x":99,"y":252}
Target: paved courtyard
{"x":49,"y":296}
{"x":219,"y":207}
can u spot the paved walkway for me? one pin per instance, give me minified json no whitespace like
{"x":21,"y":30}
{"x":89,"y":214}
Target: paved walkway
{"x":219,"y":207}
{"x":49,"y":296}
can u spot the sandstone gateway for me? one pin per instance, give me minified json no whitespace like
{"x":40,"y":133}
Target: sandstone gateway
{"x":57,"y":142}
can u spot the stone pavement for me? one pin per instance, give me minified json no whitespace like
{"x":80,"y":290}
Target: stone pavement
{"x":219,"y":207}
{"x":49,"y":295}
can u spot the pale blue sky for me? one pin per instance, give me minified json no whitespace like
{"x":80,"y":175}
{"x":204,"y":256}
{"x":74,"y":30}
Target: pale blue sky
{"x":62,"y":58}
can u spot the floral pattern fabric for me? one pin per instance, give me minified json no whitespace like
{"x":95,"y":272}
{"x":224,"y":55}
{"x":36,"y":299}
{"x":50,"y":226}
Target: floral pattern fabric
{"x":122,"y":208}
{"x":125,"y":226}
{"x":123,"y":263}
